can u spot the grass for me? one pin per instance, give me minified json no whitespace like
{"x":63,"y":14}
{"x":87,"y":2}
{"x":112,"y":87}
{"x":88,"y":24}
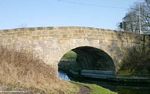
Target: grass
{"x":22,"y":69}
{"x":70,"y":55}
{"x":95,"y":89}
{"x":9,"y":87}
{"x":70,"y":63}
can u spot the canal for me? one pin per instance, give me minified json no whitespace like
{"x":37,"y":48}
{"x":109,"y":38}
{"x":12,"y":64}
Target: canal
{"x":116,"y":87}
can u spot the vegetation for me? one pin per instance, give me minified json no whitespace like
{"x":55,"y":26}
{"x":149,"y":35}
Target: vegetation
{"x":19,"y":89}
{"x":21,"y":69}
{"x":92,"y":89}
{"x":86,"y":58}
{"x":68,"y":62}
{"x":137,"y":18}
{"x":136,"y":62}
{"x":70,"y":55}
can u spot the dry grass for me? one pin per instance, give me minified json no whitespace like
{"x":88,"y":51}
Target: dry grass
{"x":19,"y":69}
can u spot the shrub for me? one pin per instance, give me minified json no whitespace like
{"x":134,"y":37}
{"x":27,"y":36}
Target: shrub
{"x":137,"y":61}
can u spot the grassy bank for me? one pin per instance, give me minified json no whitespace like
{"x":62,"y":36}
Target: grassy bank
{"x":16,"y":89}
{"x":20,"y":89}
{"x":21,"y":69}
{"x":92,"y":89}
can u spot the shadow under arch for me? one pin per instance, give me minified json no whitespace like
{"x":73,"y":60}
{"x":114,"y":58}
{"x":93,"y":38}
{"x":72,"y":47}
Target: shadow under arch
{"x":86,"y":58}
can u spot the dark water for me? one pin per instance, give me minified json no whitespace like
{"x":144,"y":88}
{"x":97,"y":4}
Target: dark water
{"x":116,"y":87}
{"x":123,"y":89}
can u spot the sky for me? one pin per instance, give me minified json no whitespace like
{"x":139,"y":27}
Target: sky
{"x":41,"y":13}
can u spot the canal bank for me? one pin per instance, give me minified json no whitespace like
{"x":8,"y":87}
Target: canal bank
{"x":121,"y":85}
{"x":85,"y":88}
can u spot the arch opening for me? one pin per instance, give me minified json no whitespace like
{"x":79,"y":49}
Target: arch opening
{"x":86,"y":58}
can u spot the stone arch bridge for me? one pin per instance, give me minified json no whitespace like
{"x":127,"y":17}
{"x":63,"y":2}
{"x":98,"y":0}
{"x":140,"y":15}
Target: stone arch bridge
{"x":49,"y":44}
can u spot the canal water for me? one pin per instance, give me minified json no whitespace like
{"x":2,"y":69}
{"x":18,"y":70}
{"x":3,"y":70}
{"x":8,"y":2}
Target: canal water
{"x":63,"y":76}
{"x":116,"y":87}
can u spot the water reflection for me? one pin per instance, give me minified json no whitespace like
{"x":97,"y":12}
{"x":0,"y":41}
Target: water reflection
{"x":116,"y":87}
{"x":125,"y":89}
{"x":63,"y":76}
{"x":133,"y":90}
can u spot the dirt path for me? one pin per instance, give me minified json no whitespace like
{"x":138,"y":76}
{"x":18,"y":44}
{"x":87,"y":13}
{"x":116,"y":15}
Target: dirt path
{"x":4,"y":89}
{"x":84,"y":90}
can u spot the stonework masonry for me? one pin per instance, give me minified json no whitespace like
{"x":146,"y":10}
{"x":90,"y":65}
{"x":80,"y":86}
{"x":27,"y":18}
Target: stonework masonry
{"x":49,"y":44}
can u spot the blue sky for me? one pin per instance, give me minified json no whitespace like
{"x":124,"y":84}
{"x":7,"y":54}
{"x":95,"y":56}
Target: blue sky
{"x":92,"y":13}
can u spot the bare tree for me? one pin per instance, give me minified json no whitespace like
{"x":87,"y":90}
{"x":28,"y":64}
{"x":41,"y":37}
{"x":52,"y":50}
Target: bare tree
{"x":137,"y":19}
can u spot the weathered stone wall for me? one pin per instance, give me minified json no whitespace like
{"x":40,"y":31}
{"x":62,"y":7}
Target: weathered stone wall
{"x":49,"y":44}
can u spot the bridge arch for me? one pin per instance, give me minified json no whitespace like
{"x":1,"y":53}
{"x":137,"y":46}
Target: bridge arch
{"x":88,"y":58}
